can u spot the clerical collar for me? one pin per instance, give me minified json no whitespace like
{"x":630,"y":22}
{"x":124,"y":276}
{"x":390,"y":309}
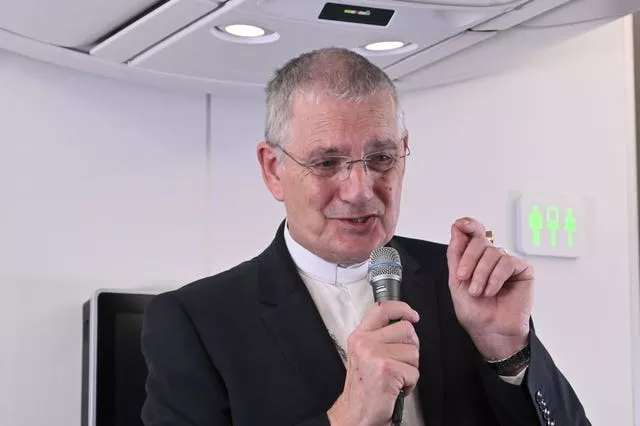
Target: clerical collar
{"x":319,"y":269}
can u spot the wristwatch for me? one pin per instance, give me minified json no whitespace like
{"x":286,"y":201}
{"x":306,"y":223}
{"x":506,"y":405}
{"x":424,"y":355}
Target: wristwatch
{"x":508,"y":366}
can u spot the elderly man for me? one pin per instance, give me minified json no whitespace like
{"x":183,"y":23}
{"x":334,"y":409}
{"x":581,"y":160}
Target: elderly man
{"x":293,"y":336}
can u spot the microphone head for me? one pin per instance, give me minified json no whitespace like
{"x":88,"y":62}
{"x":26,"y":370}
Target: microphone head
{"x":384,"y":263}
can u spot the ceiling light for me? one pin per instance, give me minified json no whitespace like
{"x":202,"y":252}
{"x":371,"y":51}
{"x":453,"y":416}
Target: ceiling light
{"x":242,"y":30}
{"x":244,"y":34}
{"x":384,"y":46}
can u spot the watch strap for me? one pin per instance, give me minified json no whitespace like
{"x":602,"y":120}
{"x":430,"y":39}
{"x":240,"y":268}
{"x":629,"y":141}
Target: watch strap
{"x":512,"y":364}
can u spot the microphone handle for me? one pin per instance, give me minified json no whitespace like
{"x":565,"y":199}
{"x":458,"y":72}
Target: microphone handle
{"x":384,"y":290}
{"x":398,"y":407}
{"x":396,"y":417}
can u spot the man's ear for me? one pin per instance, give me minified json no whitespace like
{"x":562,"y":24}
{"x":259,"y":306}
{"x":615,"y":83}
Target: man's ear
{"x":268,"y":159}
{"x":405,"y":141}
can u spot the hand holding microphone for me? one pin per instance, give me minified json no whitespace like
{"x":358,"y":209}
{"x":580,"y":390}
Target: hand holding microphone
{"x":382,"y":354}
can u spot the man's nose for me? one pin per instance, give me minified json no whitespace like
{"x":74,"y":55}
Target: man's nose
{"x":358,"y":184}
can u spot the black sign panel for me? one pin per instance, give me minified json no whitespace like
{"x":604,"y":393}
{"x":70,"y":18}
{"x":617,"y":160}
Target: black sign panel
{"x":356,"y":14}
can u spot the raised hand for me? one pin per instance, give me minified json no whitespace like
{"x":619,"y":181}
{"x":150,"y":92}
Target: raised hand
{"x":492,"y":291}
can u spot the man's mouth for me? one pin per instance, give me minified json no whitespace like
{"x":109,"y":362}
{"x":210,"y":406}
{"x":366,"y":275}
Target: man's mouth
{"x":362,"y":219}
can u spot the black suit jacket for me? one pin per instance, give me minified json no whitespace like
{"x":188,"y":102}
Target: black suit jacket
{"x":248,"y":347}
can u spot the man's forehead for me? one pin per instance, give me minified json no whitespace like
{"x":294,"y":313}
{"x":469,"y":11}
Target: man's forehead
{"x":336,"y":146}
{"x":316,"y":99}
{"x":373,"y":120}
{"x":326,"y":124}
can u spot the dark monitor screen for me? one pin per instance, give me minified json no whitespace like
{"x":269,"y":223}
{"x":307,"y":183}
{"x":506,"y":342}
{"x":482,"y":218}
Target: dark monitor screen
{"x":121,"y":369}
{"x":130,"y":369}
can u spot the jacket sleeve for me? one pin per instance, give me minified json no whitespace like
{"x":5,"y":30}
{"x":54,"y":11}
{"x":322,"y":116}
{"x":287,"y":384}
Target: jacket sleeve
{"x":545,"y":397}
{"x":183,"y":387}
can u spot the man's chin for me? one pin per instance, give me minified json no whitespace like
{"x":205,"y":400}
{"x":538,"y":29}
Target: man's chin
{"x":353,"y":255}
{"x":352,"y":248}
{"x":351,"y":260}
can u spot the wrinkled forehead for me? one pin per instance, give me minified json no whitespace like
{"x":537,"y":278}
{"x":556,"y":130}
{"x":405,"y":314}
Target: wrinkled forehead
{"x":344,"y":126}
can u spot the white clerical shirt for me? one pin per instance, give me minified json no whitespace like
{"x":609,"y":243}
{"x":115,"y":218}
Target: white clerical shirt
{"x":343,"y":296}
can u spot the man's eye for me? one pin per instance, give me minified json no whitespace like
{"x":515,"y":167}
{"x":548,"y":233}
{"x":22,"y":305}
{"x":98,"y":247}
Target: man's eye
{"x":328,"y":163}
{"x":380,"y":158}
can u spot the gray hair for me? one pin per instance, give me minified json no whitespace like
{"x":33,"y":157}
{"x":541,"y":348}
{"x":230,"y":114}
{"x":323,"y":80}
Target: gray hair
{"x":340,"y":73}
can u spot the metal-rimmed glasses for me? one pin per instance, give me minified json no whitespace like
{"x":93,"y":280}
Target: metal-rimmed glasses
{"x":339,"y":166}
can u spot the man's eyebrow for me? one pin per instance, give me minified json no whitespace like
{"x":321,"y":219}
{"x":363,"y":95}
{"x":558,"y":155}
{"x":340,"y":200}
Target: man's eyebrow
{"x":381,"y":144}
{"x":324,"y":151}
{"x":372,"y":145}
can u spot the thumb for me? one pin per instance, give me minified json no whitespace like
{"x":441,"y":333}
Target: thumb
{"x":457,"y":245}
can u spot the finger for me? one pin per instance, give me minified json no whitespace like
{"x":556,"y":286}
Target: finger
{"x":456,"y":248}
{"x":470,"y":226}
{"x":383,"y":313}
{"x":471,"y":258}
{"x":483,"y":270}
{"x":397,"y":376}
{"x":409,"y":375}
{"x":399,"y":332}
{"x":504,"y":269}
{"x":509,"y":269}
{"x":407,"y":354}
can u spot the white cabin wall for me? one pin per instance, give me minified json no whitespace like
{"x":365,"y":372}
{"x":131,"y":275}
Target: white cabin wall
{"x":106,"y":184}
{"x":103,"y":184}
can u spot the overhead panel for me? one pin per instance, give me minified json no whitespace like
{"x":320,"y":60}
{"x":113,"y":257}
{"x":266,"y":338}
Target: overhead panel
{"x":152,"y":28}
{"x":520,"y":15}
{"x":69,"y":23}
{"x":437,"y":53}
{"x":579,"y":11}
{"x":462,"y":3}
{"x":544,"y":24}
{"x":204,"y":50}
{"x":189,"y":43}
{"x":497,"y":53}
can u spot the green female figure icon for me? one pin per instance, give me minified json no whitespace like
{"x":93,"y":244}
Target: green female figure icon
{"x":569,"y":226}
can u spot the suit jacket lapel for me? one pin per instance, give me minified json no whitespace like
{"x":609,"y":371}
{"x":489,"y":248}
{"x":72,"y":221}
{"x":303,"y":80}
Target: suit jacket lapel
{"x":293,"y":319}
{"x":419,"y":292}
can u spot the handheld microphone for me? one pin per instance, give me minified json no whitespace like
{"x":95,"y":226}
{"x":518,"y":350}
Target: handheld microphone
{"x":384,"y":275}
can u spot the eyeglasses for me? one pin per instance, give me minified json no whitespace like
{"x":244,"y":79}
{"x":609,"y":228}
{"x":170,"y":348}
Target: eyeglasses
{"x":339,"y":167}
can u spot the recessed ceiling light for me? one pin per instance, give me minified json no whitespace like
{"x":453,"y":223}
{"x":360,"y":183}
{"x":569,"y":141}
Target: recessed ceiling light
{"x":384,"y":46}
{"x":244,"y":34}
{"x":242,"y":30}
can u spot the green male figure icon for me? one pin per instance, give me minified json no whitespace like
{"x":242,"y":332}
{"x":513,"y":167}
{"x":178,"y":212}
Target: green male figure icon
{"x":536,"y":223}
{"x":570,"y":226}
